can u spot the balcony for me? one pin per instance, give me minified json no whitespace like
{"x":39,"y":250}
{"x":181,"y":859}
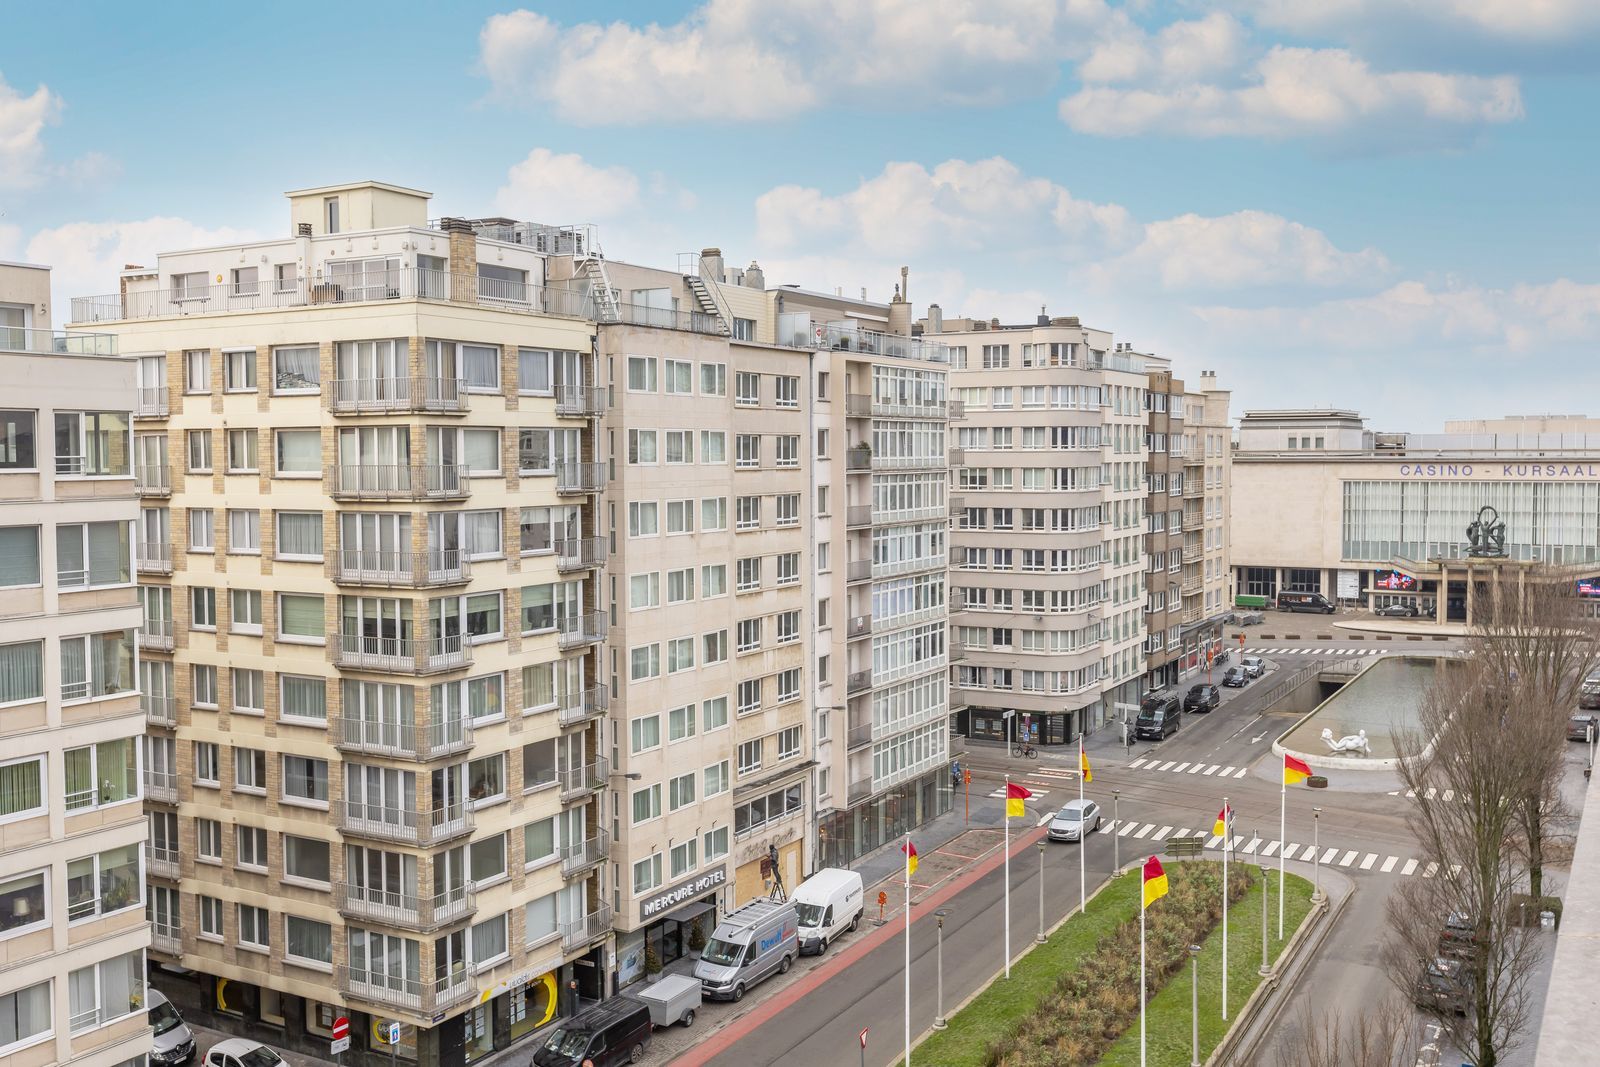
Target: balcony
{"x":397,"y":481}
{"x":1193,"y":553}
{"x":1191,"y":586}
{"x":580,"y":781}
{"x":404,"y":826}
{"x":958,"y":410}
{"x":577,"y":934}
{"x":161,"y":860}
{"x":859,"y":682}
{"x":859,"y":790}
{"x":161,"y":786}
{"x":153,"y":558}
{"x":391,"y":569}
{"x":859,"y":736}
{"x":150,"y":402}
{"x":155,"y":635}
{"x":858,"y":570}
{"x":59,"y":342}
{"x":1193,"y":489}
{"x":590,"y":703}
{"x":401,"y":655}
{"x":166,"y":939}
{"x":1193,"y":613}
{"x":798,"y":331}
{"x":857,"y":516}
{"x":152,"y":479}
{"x":857,"y":405}
{"x":574,"y":477}
{"x":384,"y":396}
{"x":958,"y":504}
{"x":859,"y":626}
{"x":585,"y":854}
{"x":1193,"y":520}
{"x":403,"y":740}
{"x":958,"y":651}
{"x":580,"y":401}
{"x":159,"y":710}
{"x":404,"y":910}
{"x":579,"y":553}
{"x":409,"y":994}
{"x":858,"y":458}
{"x":958,"y":457}
{"x":573,"y":631}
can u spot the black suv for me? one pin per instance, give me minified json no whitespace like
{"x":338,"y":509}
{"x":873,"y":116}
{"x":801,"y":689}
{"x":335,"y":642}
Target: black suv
{"x":1202,"y":698}
{"x":1158,"y":717}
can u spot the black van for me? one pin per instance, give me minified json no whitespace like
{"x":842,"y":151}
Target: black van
{"x":1159,"y":716}
{"x":612,"y":1032}
{"x":1313,"y":602}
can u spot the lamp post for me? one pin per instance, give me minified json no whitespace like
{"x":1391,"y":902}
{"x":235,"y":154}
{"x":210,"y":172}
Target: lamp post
{"x":1116,"y":835}
{"x":1194,"y":1005}
{"x":938,"y":1019}
{"x":1266,"y":888}
{"x":1316,"y":854}
{"x":1590,"y":731}
{"x":1010,"y":717}
{"x":1040,"y":939}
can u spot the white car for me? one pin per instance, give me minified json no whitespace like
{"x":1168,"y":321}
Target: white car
{"x":1076,"y":818}
{"x":242,"y":1052}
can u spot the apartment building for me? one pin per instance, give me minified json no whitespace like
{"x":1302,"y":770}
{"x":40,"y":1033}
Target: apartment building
{"x":368,"y":551}
{"x":73,"y":931}
{"x":1207,"y":586}
{"x":1165,"y":548}
{"x":1049,"y":554}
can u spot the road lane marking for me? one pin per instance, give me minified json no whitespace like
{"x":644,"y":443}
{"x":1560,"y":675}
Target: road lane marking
{"x":1213,"y":769}
{"x":1136,"y":764}
{"x":1251,"y":847}
{"x":1366,"y":864}
{"x":1449,"y":794}
{"x":1289,"y":851}
{"x":1127,"y":828}
{"x":1432,"y":792}
{"x":1196,"y":768}
{"x":1161,"y":833}
{"x":1241,"y":772}
{"x":1148,"y":827}
{"x":1431,"y":870}
{"x":1272,"y":846}
{"x":1327,"y":857}
{"x":1409,"y":869}
{"x":1388,"y":864}
{"x":1178,"y":769}
{"x":1046,"y":817}
{"x":1109,"y":828}
{"x":1216,"y":839}
{"x":1165,"y":765}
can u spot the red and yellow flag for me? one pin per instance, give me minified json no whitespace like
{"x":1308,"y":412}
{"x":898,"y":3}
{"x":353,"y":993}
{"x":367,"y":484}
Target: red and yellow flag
{"x":1224,"y":817}
{"x":911,"y":858}
{"x":1083,"y":763}
{"x":1015,"y":795}
{"x":1155,"y":881}
{"x":1294,"y":771}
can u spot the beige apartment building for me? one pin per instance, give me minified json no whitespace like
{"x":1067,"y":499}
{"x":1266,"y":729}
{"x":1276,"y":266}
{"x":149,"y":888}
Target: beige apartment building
{"x":73,"y":931}
{"x":369,"y":551}
{"x":1165,"y":539}
{"x":1207,"y":586}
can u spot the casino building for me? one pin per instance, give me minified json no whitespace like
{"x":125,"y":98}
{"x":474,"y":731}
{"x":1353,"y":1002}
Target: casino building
{"x":1322,"y":504}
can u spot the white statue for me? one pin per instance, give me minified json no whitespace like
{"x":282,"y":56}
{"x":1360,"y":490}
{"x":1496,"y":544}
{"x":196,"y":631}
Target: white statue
{"x":1356,"y":742}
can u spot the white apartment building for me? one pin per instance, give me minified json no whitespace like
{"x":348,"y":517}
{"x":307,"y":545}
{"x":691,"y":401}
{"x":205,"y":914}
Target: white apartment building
{"x":73,"y":931}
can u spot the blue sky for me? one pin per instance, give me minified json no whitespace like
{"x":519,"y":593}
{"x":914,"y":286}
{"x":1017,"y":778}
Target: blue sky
{"x":1385,"y":204}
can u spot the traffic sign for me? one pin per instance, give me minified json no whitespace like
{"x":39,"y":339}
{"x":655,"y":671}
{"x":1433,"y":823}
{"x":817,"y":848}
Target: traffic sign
{"x":864,"y":1030}
{"x":338,"y":1045}
{"x":341,"y":1027}
{"x":394,"y":1033}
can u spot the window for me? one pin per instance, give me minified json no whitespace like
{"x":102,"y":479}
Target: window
{"x":713,"y":580}
{"x":239,"y":371}
{"x":747,"y":513}
{"x":749,"y":631}
{"x":242,"y":452}
{"x":713,"y":446}
{"x":300,"y":617}
{"x":245,"y":611}
{"x":713,"y":514}
{"x":250,"y":770}
{"x":97,"y":665}
{"x":713,"y":713}
{"x":642,"y":447}
{"x":211,"y":917}
{"x":200,"y":451}
{"x":305,"y":778}
{"x":244,"y":532}
{"x":93,"y":443}
{"x":197,"y":371}
{"x":788,"y":450}
{"x":22,"y":788}
{"x":647,"y":874}
{"x":206,"y":762}
{"x":679,"y":446}
{"x":285,"y":277}
{"x":302,"y":698}
{"x":716,"y":844}
{"x":101,"y":884}
{"x":644,"y":591}
{"x":789,"y":568}
{"x":480,"y":366}
{"x":748,"y":574}
{"x":306,"y":859}
{"x":202,"y":532}
{"x":744,"y":329}
{"x":87,"y":554}
{"x":678,"y":376}
{"x":247,"y":691}
{"x":680,"y":585}
{"x":788,"y":509}
{"x":641,"y":374}
{"x":252,"y":846}
{"x":489,"y":939}
{"x":680,"y":516}
{"x":203,"y":685}
{"x":788,"y":627}
{"x":746,"y":389}
{"x":749,"y":695}
{"x":644,"y":733}
{"x":539,"y":842}
{"x":298,"y":453}
{"x":487,"y":859}
{"x":789,"y":685}
{"x":486,"y":778}
{"x":21,"y":672}
{"x":253,"y":932}
{"x":22,"y":906}
{"x":19,"y":554}
{"x":680,"y":791}
{"x":480,"y":448}
{"x":714,"y":647}
{"x":208,"y":837}
{"x":680,"y":723}
{"x":684,"y":855}
{"x":787,"y":391}
{"x":643,"y":518}
{"x":680,"y":654}
{"x":298,"y":369}
{"x":645,"y":663}
{"x":18,"y":450}
{"x":106,"y":773}
{"x":788,"y":743}
{"x":716,"y":779}
{"x":646,"y":804}
{"x":747,"y":451}
{"x":202,"y":607}
{"x":25,"y":1016}
{"x":307,"y":941}
{"x":713,"y":379}
{"x":749,"y":756}
{"x":533,"y":371}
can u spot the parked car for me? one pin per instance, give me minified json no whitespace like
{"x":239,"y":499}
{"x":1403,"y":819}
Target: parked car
{"x":1443,"y":986}
{"x":1076,"y":818}
{"x":1578,"y":726}
{"x":829,"y":903}
{"x":242,"y":1052}
{"x":1254,"y":666}
{"x":1235,"y":678}
{"x":174,"y":1042}
{"x":612,"y":1032}
{"x":760,"y":939}
{"x":1202,"y":698}
{"x":1397,"y":610}
{"x":1459,"y":936}
{"x":1158,"y":717}
{"x":1589,"y":692}
{"x":1312,"y":602}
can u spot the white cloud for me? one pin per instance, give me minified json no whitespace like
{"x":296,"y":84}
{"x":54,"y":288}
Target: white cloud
{"x":732,"y":60}
{"x":10,"y":241}
{"x":22,"y":123}
{"x":1300,"y":92}
{"x":1552,"y":21}
{"x":1179,"y":52}
{"x":564,"y":188}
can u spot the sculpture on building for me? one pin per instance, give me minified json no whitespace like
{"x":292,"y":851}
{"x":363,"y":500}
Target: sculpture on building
{"x":1349,"y":745}
{"x":1486,"y":534}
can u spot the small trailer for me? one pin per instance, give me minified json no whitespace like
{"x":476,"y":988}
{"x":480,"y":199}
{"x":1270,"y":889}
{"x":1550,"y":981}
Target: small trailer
{"x":673,"y":999}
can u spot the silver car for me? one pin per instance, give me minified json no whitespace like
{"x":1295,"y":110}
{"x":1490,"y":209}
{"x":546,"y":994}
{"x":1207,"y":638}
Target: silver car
{"x":1069,"y":823}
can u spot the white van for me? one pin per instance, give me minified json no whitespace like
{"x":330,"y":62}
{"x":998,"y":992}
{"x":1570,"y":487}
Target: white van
{"x":174,"y":1043}
{"x":749,"y":944}
{"x":829,"y":902}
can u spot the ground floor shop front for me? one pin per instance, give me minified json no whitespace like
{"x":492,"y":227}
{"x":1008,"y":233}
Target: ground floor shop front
{"x":844,"y":836}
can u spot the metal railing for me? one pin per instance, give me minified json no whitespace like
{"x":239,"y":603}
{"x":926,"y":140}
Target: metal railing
{"x":585,"y":854}
{"x":579,"y":553}
{"x":660,"y":318}
{"x":1192,"y":586}
{"x":405,"y":826}
{"x":936,"y":410}
{"x":159,"y":709}
{"x":574,"y":476}
{"x":409,"y":994}
{"x":579,"y":932}
{"x":580,"y":401}
{"x":859,"y":736}
{"x":151,"y":402}
{"x":406,"y":910}
{"x":851,"y":339}
{"x":162,"y":860}
{"x":156,"y":634}
{"x":359,"y":396}
{"x":588,"y":778}
{"x":582,"y":629}
{"x":401,"y":655}
{"x":166,"y":939}
{"x":57,"y":342}
{"x":958,"y":457}
{"x":152,"y":479}
{"x":398,"y":481}
{"x":589,"y":703}
{"x":363,"y":566}
{"x":958,"y":410}
{"x":161,"y":786}
{"x":958,"y":504}
{"x":860,"y":789}
{"x":403,"y":740}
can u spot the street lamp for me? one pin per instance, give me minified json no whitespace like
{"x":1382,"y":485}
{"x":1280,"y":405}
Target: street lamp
{"x":1316,"y":854}
{"x":1010,"y":718}
{"x":938,"y":1020}
{"x":1266,"y":888}
{"x":1116,"y":835}
{"x":1040,"y":939}
{"x":1194,"y":1004}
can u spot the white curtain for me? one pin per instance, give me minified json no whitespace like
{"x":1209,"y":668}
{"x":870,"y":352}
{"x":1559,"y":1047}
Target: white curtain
{"x":300,"y":451}
{"x":300,"y":615}
{"x":304,"y":698}
{"x":300,"y":533}
{"x":481,"y":365}
{"x":21,"y":786}
{"x":296,"y":370}
{"x":19,"y":555}
{"x":30,"y":1015}
{"x":21,"y":672}
{"x":533,"y":370}
{"x":244,"y":529}
{"x":309,"y":939}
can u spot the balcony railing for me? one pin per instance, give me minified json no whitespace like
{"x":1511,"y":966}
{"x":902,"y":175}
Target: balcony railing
{"x":1193,"y":553}
{"x":409,"y":994}
{"x":159,"y":709}
{"x":150,"y":402}
{"x":857,"y":405}
{"x":577,"y":933}
{"x":583,"y":629}
{"x":859,"y":736}
{"x":585,"y":854}
{"x":153,"y":558}
{"x":1191,"y":586}
{"x":401,"y":655}
{"x":156,"y":634}
{"x":1193,"y":520}
{"x":859,"y":626}
{"x":362,"y":566}
{"x":858,"y":458}
{"x":580,"y":401}
{"x":379,"y":396}
{"x":860,"y":789}
{"x":573,"y":476}
{"x":805,"y":334}
{"x":398,"y":481}
{"x":958,"y":410}
{"x":1194,"y":489}
{"x":958,"y":457}
{"x":166,"y":939}
{"x":403,"y":740}
{"x":404,"y":826}
{"x":858,"y":515}
{"x":858,"y":570}
{"x":161,"y":861}
{"x":579,"y":553}
{"x":405,"y":910}
{"x":660,"y":318}
{"x":958,"y":504}
{"x":57,"y":342}
{"x":152,"y":479}
{"x":161,"y":786}
{"x":573,"y":708}
{"x":577,"y":781}
{"x":859,"y":682}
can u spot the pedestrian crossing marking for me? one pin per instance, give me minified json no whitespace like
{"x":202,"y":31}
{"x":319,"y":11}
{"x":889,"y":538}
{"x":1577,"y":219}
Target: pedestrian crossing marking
{"x":1327,"y":857}
{"x":1238,"y":840}
{"x":1272,"y":846}
{"x":1227,"y":771}
{"x":1046,"y":817}
{"x":1289,"y":851}
{"x":1109,"y":828}
{"x":1430,"y":794}
{"x":1215,"y":839}
{"x":1388,"y":864}
{"x":1127,"y":828}
{"x":1167,"y":765}
{"x":1262,"y":848}
{"x":1145,"y":830}
{"x":1366,"y":864}
{"x":1241,"y":772}
{"x":1409,"y":869}
{"x":1161,"y":833}
{"x":1055,"y":772}
{"x":1178,"y":769}
{"x":1251,"y":847}
{"x":1431,"y":870}
{"x":1348,"y":858}
{"x":1209,"y":771}
{"x":1136,"y":764}
{"x":1449,"y":794}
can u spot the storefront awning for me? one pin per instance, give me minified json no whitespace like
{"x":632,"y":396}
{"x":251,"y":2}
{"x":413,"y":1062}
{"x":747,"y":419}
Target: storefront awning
{"x":689,"y":912}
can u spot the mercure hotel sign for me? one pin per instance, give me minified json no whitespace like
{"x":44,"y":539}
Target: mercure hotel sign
{"x":1543,"y":472}
{"x":685,"y":890}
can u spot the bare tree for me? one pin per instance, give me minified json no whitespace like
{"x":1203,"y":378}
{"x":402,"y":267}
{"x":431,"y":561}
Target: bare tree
{"x":1386,"y":1034}
{"x":1471,"y":748}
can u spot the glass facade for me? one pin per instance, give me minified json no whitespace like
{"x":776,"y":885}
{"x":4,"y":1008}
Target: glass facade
{"x":845,"y":836}
{"x":1552,"y":522}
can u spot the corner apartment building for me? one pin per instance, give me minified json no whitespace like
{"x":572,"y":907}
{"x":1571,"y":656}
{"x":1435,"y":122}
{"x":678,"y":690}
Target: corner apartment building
{"x":73,"y":931}
{"x":368,"y":557}
{"x":1207,"y":494}
{"x":1050,"y":498}
{"x":1165,"y":545}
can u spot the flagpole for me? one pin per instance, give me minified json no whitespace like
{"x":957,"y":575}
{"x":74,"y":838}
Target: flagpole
{"x":1141,"y":972}
{"x":907,"y":851}
{"x":1083,"y":836}
{"x":1005,"y":886}
{"x":1227,"y":847}
{"x":1283,"y":837}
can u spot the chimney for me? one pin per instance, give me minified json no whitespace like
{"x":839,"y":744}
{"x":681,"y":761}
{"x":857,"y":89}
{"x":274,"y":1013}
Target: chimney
{"x":711,"y":263}
{"x":900,"y":311}
{"x":935,"y":318}
{"x":1043,"y":319}
{"x":905,"y":283}
{"x":994,"y":324}
{"x":754,"y":276}
{"x":463,"y":259}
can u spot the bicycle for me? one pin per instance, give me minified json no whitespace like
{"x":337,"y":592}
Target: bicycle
{"x":1026,"y":750}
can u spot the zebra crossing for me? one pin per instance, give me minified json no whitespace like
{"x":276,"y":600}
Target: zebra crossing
{"x":1259,"y":848}
{"x":1311,"y":650}
{"x":1201,"y":768}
